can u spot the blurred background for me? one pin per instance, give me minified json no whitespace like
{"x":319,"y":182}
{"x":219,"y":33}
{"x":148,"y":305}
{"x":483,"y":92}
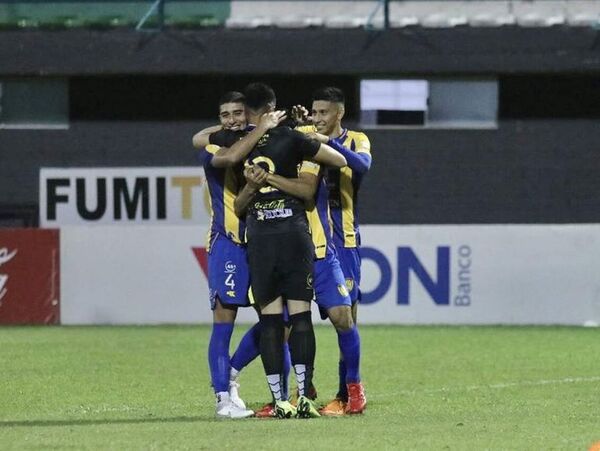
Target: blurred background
{"x":482,"y":116}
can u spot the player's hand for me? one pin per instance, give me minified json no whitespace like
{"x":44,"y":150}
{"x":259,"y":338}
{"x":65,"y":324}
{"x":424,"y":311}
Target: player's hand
{"x":256,"y":177}
{"x":271,"y":120}
{"x":319,"y":137}
{"x":301,"y":115}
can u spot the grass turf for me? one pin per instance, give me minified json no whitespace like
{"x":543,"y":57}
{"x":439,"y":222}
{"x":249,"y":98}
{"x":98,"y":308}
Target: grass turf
{"x":428,"y":388}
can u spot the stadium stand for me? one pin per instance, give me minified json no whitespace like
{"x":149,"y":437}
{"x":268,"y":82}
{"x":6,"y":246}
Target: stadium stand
{"x":247,"y":14}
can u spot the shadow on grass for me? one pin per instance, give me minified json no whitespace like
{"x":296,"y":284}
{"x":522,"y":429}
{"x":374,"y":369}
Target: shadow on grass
{"x":76,"y":422}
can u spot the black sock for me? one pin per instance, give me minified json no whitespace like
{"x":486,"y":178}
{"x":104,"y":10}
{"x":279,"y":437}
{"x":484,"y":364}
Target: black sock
{"x":302,"y":349}
{"x":271,"y":350}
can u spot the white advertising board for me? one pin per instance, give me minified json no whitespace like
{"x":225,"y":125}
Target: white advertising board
{"x":496,"y":274}
{"x":500,"y":274}
{"x":122,"y":196}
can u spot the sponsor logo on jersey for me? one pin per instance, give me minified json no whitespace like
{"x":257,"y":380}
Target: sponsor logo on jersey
{"x":342,"y":289}
{"x":230,"y":267}
{"x":265,"y":215}
{"x":349,"y":283}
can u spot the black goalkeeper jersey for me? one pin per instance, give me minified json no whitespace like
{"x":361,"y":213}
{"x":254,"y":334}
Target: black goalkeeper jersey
{"x":279,"y":151}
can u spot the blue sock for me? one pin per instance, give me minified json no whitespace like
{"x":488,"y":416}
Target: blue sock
{"x":287,"y":365}
{"x":349,"y":342}
{"x":248,"y":348}
{"x":343,"y":389}
{"x":218,"y":355}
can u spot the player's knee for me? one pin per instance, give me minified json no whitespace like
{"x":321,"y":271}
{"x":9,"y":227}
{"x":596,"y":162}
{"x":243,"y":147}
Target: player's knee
{"x":341,"y":318}
{"x":224,"y":313}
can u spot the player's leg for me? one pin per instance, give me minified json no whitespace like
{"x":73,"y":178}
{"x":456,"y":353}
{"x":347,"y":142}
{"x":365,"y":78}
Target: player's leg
{"x":333,"y":296}
{"x":302,"y":350}
{"x":349,"y":345}
{"x":247,"y":350}
{"x":218,"y":356}
{"x":349,"y":377}
{"x":226,"y":275}
{"x":296,"y":265}
{"x":262,"y":258}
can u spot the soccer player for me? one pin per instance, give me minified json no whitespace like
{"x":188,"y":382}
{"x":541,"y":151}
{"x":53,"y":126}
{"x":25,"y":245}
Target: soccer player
{"x":280,"y":251}
{"x":327,"y":113}
{"x":227,"y":262}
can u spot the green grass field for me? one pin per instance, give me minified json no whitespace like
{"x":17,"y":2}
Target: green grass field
{"x":436,"y":388}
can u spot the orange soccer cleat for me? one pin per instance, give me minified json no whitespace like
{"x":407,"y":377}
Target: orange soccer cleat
{"x":266,"y":411}
{"x":334,"y":408}
{"x":357,"y":401}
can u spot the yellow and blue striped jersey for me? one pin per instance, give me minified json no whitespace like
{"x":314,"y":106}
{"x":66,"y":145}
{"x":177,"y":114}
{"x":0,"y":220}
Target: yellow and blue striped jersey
{"x":223,"y":185}
{"x":343,"y":184}
{"x":319,"y":218}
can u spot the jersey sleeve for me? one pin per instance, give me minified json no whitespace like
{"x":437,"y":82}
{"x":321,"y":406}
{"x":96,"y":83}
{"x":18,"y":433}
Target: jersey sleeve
{"x":205,"y":155}
{"x":307,"y":147}
{"x":363,"y":145}
{"x":309,"y":167}
{"x":306,"y":129}
{"x":224,"y":138}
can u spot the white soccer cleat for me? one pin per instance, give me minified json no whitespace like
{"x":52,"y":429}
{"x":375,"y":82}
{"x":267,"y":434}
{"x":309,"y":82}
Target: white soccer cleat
{"x":227,"y":409}
{"x":236,"y":412}
{"x":234,"y":395}
{"x":223,"y":408}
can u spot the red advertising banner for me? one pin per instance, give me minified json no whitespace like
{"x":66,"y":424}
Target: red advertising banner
{"x":29,"y":276}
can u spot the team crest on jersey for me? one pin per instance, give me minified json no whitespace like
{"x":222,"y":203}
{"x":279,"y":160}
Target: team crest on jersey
{"x":343,"y":291}
{"x":262,"y":141}
{"x":349,"y":283}
{"x":230,"y":267}
{"x":309,"y":281}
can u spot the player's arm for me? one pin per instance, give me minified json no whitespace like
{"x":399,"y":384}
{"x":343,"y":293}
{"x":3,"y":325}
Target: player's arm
{"x":359,"y":161}
{"x":201,"y":139}
{"x":312,"y":149}
{"x":327,"y":156}
{"x":231,"y":156}
{"x":256,"y":178}
{"x":303,"y":187}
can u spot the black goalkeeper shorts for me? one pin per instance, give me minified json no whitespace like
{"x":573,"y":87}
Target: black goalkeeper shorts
{"x":281,"y":264}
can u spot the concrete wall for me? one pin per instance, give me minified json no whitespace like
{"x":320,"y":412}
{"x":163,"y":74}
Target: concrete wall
{"x":523,"y":172}
{"x":532,"y":168}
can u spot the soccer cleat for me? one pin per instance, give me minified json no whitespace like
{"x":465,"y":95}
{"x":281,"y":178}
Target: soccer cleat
{"x":357,"y":401}
{"x":236,"y":412}
{"x":312,"y":394}
{"x":283,"y":409}
{"x":227,"y":409}
{"x":234,"y":395}
{"x":267,"y":411}
{"x":335,"y":408}
{"x":306,"y":408}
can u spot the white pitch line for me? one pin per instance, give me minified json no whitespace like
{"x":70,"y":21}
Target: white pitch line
{"x":499,"y":386}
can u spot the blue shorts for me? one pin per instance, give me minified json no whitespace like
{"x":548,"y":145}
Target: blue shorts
{"x":329,"y":284}
{"x":228,"y":274}
{"x":349,"y":258}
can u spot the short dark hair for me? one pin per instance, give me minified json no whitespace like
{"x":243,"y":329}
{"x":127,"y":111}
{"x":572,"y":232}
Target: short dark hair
{"x":232,"y":97}
{"x":329,"y":94}
{"x":259,"y":96}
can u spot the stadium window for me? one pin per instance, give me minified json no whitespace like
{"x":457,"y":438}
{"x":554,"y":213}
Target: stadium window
{"x":393,"y":102}
{"x":448,"y":103}
{"x":34,"y":103}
